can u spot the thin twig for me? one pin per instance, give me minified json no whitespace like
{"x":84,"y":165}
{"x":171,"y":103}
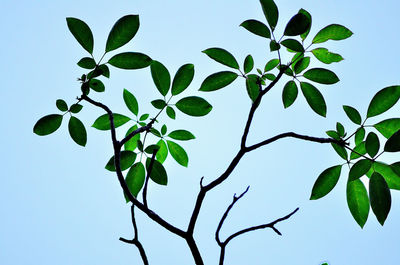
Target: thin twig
{"x":153,"y":157}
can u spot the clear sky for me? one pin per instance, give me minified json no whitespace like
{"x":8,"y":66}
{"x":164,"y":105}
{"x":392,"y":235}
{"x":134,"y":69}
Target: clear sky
{"x":60,"y":206}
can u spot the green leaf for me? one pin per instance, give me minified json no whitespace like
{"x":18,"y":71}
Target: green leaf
{"x":127,"y":158}
{"x":82,"y":33}
{"x":372,"y":144}
{"x":359,"y":137}
{"x":396,"y":169}
{"x":388,"y":127}
{"x":162,"y":153}
{"x":308,"y":15}
{"x":358,"y":150}
{"x":393,"y":143}
{"x":253,"y":89}
{"x":87,"y":63}
{"x":150,"y":149}
{"x":131,"y":144}
{"x":171,"y":112}
{"x":155,"y":132}
{"x":182,"y":79}
{"x":340,"y":129}
{"x":97,"y":85}
{"x":359,"y":169}
{"x":293,"y":44}
{"x":160,"y":76}
{"x":314,"y":98}
{"x":135,"y":178}
{"x":340,"y":150}
{"x":218,"y":80}
{"x":105,"y":71}
{"x":301,"y":65}
{"x":256,"y":27}
{"x":270,"y":77}
{"x":358,"y":201}
{"x":131,"y":102}
{"x":194,"y":106}
{"x":333,"y":134}
{"x":380,"y":197}
{"x":274,"y":46}
{"x":158,"y":103}
{"x":75,"y":108}
{"x":383,"y":100}
{"x":271,"y":64}
{"x":321,"y":75}
{"x":103,"y":122}
{"x":388,"y":172}
{"x":158,"y":173}
{"x":222,"y":56}
{"x":178,"y":153}
{"x":325,"y":56}
{"x":47,"y":124}
{"x":353,"y":114}
{"x":325,"y":182}
{"x":248,"y":64}
{"x":271,"y":12}
{"x":289,"y":93}
{"x":122,"y":32}
{"x":130,"y":60}
{"x":144,"y":117}
{"x":164,"y":129}
{"x":181,"y":135}
{"x":332,"y":32}
{"x":61,"y":105}
{"x":297,"y":25}
{"x":77,"y":131}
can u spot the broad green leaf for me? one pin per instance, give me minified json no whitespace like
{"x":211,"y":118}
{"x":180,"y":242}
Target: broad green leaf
{"x":297,"y":25}
{"x":194,"y":106}
{"x":353,"y":114}
{"x":217,"y":81}
{"x":178,"y":153}
{"x":388,"y":172}
{"x":151,"y":148}
{"x":164,"y":129}
{"x":325,"y":182}
{"x":372,"y":144}
{"x":135,"y":178}
{"x":162,"y":153}
{"x":359,"y":136}
{"x":171,"y":112}
{"x":131,"y":102}
{"x":61,"y":105}
{"x":131,"y":144}
{"x":289,"y":93}
{"x":256,"y":27}
{"x":301,"y":65}
{"x":155,"y":132}
{"x":97,"y":85}
{"x":82,"y":33}
{"x":103,"y":122}
{"x":271,"y":12}
{"x":87,"y":63}
{"x":158,"y":103}
{"x":105,"y":71}
{"x":77,"y":131}
{"x":274,"y":46}
{"x":271,"y":64}
{"x":358,"y":150}
{"x":396,"y":169}
{"x":380,"y":197}
{"x":222,"y":56}
{"x":332,"y":32}
{"x":127,"y":158}
{"x":253,"y":89}
{"x":270,"y":77}
{"x":47,"y":124}
{"x":130,"y":60}
{"x":383,"y":100}
{"x":75,"y":108}
{"x":358,"y":201}
{"x":333,"y":134}
{"x":158,"y":173}
{"x":388,"y":127}
{"x":248,"y":64}
{"x":182,"y":79}
{"x":308,"y":15}
{"x":181,"y":135}
{"x":161,"y":77}
{"x":314,"y":98}
{"x":122,"y":32}
{"x":359,"y":169}
{"x":321,"y":75}
{"x":340,"y":150}
{"x":325,"y":56}
{"x":293,"y":44}
{"x":393,"y":143}
{"x":340,"y":129}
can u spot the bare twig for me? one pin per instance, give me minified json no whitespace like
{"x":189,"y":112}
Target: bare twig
{"x":153,"y":157}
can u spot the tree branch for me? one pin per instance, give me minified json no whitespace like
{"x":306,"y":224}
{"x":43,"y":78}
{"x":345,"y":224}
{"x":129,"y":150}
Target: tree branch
{"x":148,"y":176}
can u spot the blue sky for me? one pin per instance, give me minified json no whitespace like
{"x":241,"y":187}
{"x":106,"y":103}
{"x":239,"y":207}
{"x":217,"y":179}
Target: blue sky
{"x":60,"y":206}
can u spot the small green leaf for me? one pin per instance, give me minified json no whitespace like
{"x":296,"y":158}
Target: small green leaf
{"x":171,"y":112}
{"x":161,"y":77}
{"x":127,"y":158}
{"x":47,"y":124}
{"x":217,"y":81}
{"x":61,"y":105}
{"x":372,"y":144}
{"x":182,"y":79}
{"x":77,"y":131}
{"x":325,"y":56}
{"x":155,"y":132}
{"x":103,"y":122}
{"x":158,"y":173}
{"x":82,"y":33}
{"x":130,"y":60}
{"x":359,"y":137}
{"x":314,"y":98}
{"x":293,"y":44}
{"x":271,"y":12}
{"x":87,"y":63}
{"x":383,"y":100}
{"x":248,"y":64}
{"x":359,"y":169}
{"x":380,"y":197}
{"x":271,"y":64}
{"x":105,"y":71}
{"x":340,"y":150}
{"x":135,"y":178}
{"x":181,"y":135}
{"x":270,"y":77}
{"x":131,"y":102}
{"x":358,"y":151}
{"x":358,"y":201}
{"x":301,"y":65}
{"x":289,"y":93}
{"x":97,"y":85}
{"x":333,"y":134}
{"x":297,"y":25}
{"x":178,"y":153}
{"x":222,"y":56}
{"x":162,"y":153}
{"x":252,"y":87}
{"x":308,"y":15}
{"x":75,"y":108}
{"x":122,"y":32}
{"x":393,"y":143}
{"x":388,"y":127}
{"x":256,"y":27}
{"x":325,"y":182}
{"x":158,"y":103}
{"x":164,"y":129}
{"x":388,"y":172}
{"x":151,"y":148}
{"x":353,"y":114}
{"x":274,"y":46}
{"x":194,"y":106}
{"x":340,"y":129}
{"x":321,"y":75}
{"x":332,"y":32}
{"x":143,"y":117}
{"x":131,"y":144}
